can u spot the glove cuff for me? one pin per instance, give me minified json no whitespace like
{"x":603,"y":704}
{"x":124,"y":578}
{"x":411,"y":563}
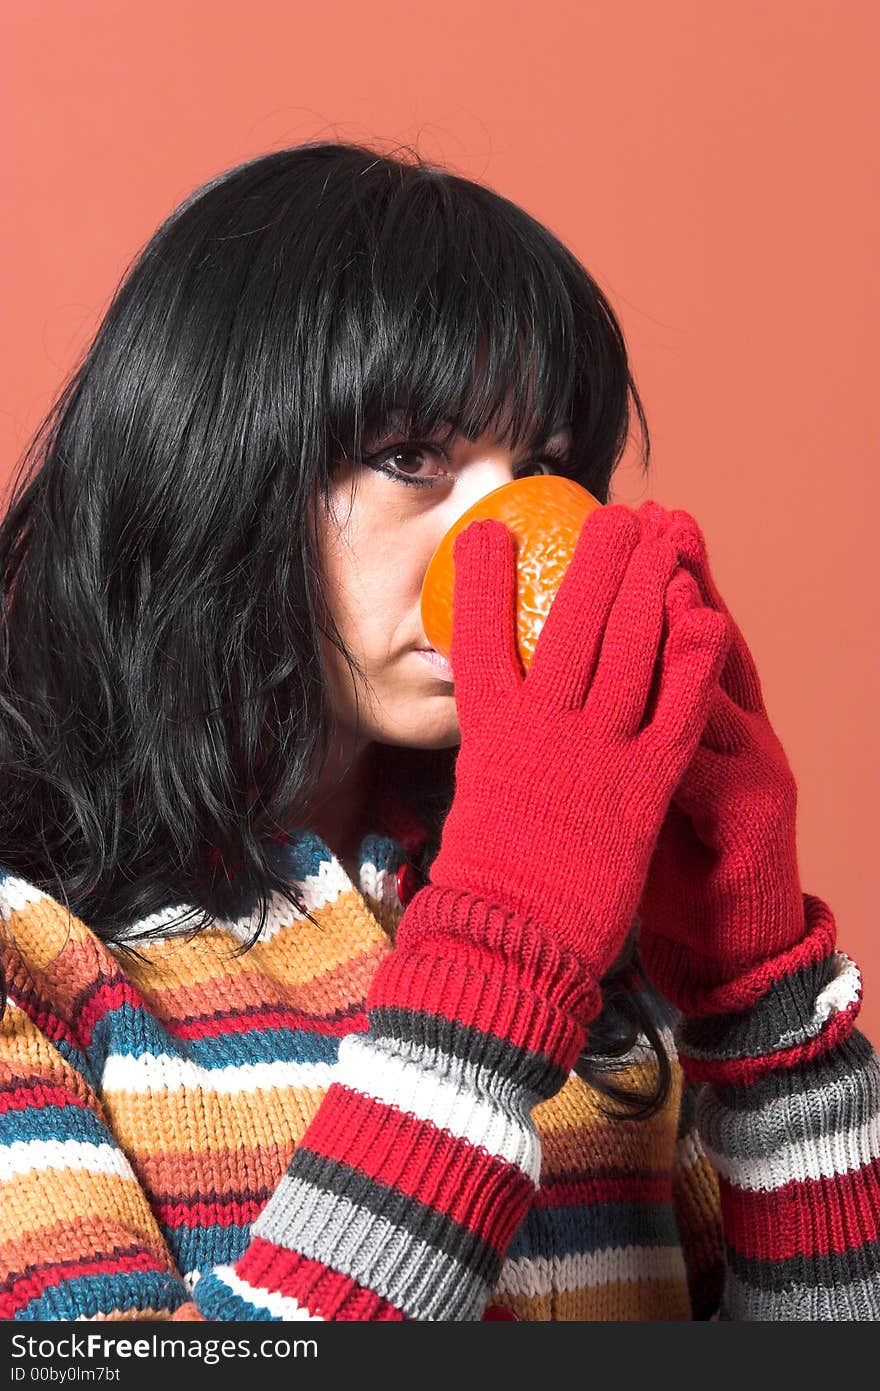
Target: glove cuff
{"x":473,"y":977}
{"x":700,"y":985}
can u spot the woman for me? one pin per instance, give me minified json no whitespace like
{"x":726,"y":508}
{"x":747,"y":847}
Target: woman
{"x":324,"y":994}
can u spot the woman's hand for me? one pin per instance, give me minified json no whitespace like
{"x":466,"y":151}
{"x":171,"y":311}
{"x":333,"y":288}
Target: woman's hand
{"x":722,"y":894}
{"x":563,"y":777}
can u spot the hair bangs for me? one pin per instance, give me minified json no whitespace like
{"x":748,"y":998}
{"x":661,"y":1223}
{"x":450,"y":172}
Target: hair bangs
{"x":473,"y":319}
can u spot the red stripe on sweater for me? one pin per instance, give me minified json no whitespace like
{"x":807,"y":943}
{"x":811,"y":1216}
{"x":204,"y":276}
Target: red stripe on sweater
{"x":39,"y":1094}
{"x":34,"y":1283}
{"x":50,"y":1023}
{"x":208,"y":1214}
{"x":588,"y":1192}
{"x":324,"y":1292}
{"x":109,"y":996}
{"x":270,"y":1019}
{"x":808,"y":1217}
{"x":742,"y":1071}
{"x":480,"y":1192}
{"x":113,"y":994}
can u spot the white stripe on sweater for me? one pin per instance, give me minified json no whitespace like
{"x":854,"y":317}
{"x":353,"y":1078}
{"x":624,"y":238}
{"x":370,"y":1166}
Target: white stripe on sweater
{"x":843,"y":990}
{"x":825,"y":1157}
{"x":16,"y":894}
{"x":28,"y":1156}
{"x":162,"y":1072}
{"x":316,"y":890}
{"x":380,"y":884}
{"x":424,"y":1093}
{"x":281,"y":1305}
{"x":689,"y":1151}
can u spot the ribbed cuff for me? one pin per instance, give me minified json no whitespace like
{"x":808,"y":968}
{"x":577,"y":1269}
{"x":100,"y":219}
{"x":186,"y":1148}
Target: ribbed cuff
{"x":800,"y":1017}
{"x":700,"y":986}
{"x":464,"y":960}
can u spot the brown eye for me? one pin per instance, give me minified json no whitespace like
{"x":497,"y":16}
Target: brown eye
{"x":415,"y":449}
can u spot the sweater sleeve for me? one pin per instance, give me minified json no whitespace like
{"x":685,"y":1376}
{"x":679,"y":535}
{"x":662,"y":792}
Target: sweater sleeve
{"x":787,"y":1106}
{"x":79,"y":1239}
{"x":423,"y":1159}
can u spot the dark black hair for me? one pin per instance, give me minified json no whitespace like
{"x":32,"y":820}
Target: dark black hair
{"x":163,"y":705}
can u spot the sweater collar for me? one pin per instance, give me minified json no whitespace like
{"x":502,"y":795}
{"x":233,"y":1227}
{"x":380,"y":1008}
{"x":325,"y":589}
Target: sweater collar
{"x":394,"y":835}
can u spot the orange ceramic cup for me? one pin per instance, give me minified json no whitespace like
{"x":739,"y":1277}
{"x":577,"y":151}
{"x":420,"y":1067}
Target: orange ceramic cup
{"x":545,"y":514}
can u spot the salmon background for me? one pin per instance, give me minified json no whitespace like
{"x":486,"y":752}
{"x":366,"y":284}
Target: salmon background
{"x":713,"y":166}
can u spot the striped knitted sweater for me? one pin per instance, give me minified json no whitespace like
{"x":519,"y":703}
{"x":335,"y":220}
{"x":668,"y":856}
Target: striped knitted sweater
{"x":336,"y":1125}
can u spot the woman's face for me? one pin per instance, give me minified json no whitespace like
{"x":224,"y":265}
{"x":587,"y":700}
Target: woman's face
{"x":375,"y":545}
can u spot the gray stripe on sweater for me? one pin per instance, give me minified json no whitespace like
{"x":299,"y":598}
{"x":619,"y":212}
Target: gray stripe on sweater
{"x":850,"y":1055}
{"x":496,"y":1058}
{"x":859,"y":1300}
{"x":824,"y":1104}
{"x":417,"y":1278}
{"x":829,"y":1270}
{"x":785,"y":1017}
{"x":508,"y":1094}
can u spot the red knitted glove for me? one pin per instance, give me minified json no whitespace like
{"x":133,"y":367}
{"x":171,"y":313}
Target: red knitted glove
{"x":560,"y":785}
{"x":722,"y":910}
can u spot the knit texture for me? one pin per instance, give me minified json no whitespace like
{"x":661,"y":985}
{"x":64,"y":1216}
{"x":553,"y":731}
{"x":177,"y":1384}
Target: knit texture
{"x":199,"y":1134}
{"x":723,"y":913}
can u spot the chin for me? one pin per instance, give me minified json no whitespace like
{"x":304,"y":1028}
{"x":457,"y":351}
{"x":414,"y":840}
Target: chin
{"x":420,"y":736}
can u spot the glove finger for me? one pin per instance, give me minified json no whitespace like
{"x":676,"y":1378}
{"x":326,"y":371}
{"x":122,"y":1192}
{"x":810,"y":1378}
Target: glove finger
{"x":633,"y":637}
{"x":567,"y":649}
{"x":740,"y":676}
{"x":654,"y":519}
{"x":727,"y":729}
{"x":692,"y":659}
{"x":682,"y":594}
{"x":483,"y":653}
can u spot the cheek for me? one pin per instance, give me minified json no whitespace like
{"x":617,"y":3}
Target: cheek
{"x":342,"y":572}
{"x":372,"y":605}
{"x":373,"y":566}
